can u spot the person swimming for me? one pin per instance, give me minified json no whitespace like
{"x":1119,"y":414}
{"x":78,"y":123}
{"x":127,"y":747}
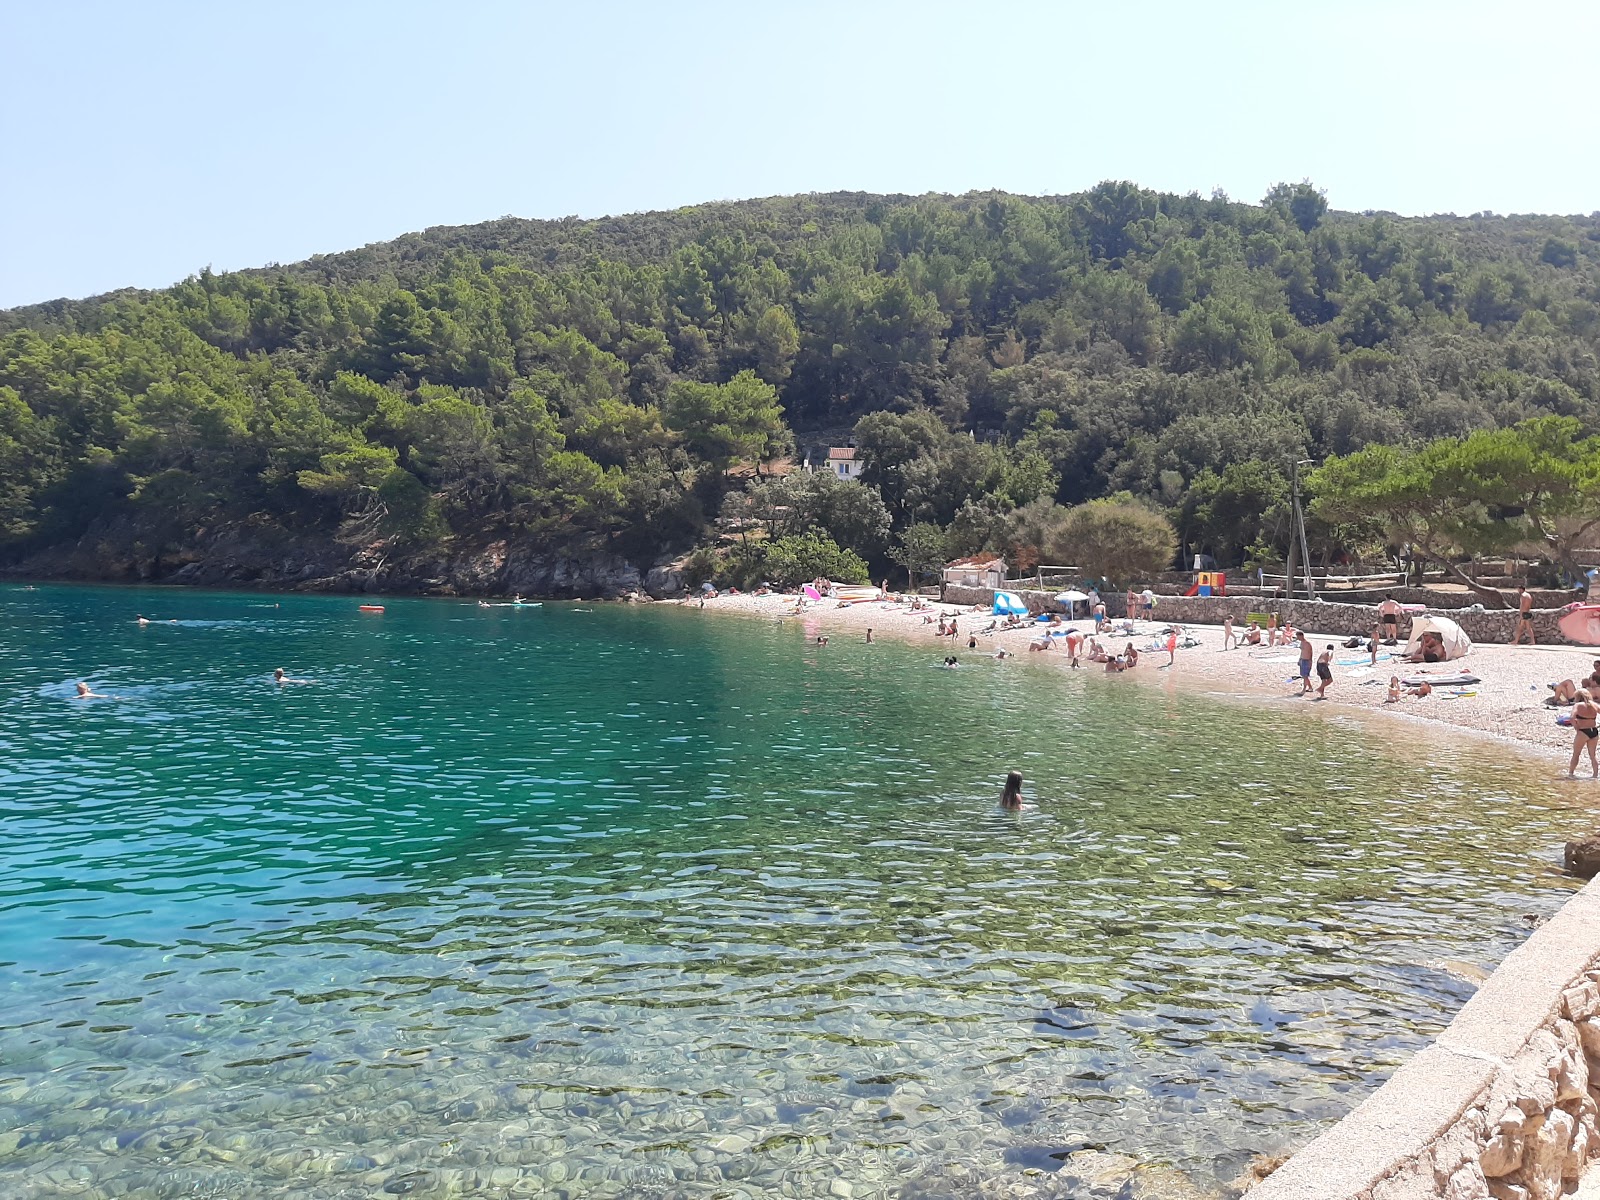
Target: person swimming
{"x":85,"y":694}
{"x":1011,"y":794}
{"x":143,"y":620}
{"x":280,"y":678}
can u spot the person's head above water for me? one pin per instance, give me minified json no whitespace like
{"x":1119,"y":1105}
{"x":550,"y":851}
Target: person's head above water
{"x":83,"y":688}
{"x":1011,"y":796}
{"x":277,"y":672}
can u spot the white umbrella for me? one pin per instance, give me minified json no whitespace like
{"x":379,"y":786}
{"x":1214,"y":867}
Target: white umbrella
{"x":1071,"y":597}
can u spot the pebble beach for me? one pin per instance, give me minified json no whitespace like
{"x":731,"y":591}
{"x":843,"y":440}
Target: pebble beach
{"x":1507,"y":703}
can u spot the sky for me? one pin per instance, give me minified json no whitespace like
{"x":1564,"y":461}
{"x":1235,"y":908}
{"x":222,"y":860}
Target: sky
{"x":142,"y":142}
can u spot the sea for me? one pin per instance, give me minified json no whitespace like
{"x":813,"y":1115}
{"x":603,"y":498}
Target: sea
{"x":603,"y":900}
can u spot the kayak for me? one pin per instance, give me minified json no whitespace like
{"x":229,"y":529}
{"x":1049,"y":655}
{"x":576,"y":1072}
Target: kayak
{"x":372,"y":608}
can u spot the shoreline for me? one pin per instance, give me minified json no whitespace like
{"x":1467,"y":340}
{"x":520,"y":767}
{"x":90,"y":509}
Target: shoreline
{"x":1506,"y":708}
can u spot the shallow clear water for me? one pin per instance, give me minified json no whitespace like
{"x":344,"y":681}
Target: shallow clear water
{"x":652,"y":902}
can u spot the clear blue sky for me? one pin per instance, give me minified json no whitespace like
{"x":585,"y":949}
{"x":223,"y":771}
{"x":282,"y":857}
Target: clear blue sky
{"x":143,"y":141}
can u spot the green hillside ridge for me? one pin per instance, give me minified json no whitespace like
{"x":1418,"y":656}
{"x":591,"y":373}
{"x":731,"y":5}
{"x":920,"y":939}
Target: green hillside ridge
{"x":605,"y":387}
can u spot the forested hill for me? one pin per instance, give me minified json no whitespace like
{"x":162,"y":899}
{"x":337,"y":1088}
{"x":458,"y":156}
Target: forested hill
{"x":589,"y":387}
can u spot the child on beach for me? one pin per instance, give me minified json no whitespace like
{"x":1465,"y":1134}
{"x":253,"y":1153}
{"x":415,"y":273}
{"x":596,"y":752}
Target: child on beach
{"x":1394,"y":690}
{"x":1324,"y":672}
{"x":1228,"y":640}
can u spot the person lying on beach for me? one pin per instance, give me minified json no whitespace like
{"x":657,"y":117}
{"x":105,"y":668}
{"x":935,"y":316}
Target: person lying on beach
{"x":1394,"y":689}
{"x":1040,"y":643}
{"x":1096,"y":651}
{"x":279,"y":677}
{"x":85,"y":694}
{"x":1422,"y":689}
{"x":1566,"y":692}
{"x":1429,"y":650}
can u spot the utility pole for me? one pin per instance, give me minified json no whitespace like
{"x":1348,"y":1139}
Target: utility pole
{"x":1300,"y":528}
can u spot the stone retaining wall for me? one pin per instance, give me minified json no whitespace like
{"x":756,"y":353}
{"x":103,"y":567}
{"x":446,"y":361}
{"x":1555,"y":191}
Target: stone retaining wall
{"x":1318,"y":616}
{"x":1503,"y":1106}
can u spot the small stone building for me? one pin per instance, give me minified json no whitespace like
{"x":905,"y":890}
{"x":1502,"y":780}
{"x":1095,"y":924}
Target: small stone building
{"x":983,"y":571}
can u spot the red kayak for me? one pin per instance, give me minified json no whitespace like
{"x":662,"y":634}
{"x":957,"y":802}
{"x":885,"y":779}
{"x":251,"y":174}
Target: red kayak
{"x":1581,"y":623}
{"x":372,"y":608}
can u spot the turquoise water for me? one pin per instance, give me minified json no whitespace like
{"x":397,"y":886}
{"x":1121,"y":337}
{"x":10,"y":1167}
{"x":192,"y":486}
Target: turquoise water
{"x":636,"y":902}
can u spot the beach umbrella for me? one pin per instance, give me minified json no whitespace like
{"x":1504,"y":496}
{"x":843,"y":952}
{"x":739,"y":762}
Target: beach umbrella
{"x":1071,"y":599}
{"x":1455,"y":639}
{"x":1008,"y":604}
{"x":1581,"y":623}
{"x":811,"y":592}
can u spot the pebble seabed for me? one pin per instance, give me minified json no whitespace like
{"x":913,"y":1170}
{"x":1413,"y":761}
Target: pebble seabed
{"x":720,"y":975}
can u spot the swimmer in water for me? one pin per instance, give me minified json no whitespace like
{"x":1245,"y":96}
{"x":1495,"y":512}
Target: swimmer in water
{"x":280,"y":678}
{"x":1011,"y":797}
{"x":143,"y":620}
{"x":85,"y":694}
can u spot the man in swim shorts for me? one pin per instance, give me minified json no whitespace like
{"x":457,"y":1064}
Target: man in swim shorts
{"x":1389,"y":618}
{"x":1307,"y":653}
{"x":1524,"y":620}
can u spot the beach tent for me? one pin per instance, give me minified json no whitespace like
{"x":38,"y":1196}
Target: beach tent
{"x":1456,"y":642}
{"x":1072,"y":599}
{"x":1008,"y":603}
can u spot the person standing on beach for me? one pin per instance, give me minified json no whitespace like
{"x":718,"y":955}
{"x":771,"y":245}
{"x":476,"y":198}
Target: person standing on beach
{"x":1373,"y":647}
{"x":1272,"y":629}
{"x":1389,"y":617}
{"x":1584,"y":734}
{"x":1229,"y":642}
{"x":1324,"y":672}
{"x":869,"y":633}
{"x":1307,"y":653}
{"x":1524,"y":619}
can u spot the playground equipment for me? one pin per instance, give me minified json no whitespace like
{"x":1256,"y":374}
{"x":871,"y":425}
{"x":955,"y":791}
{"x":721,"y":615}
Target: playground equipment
{"x":1209,"y":583}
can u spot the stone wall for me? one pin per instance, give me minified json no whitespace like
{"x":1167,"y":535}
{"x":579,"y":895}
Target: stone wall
{"x":1318,"y":616}
{"x":1503,"y":1106}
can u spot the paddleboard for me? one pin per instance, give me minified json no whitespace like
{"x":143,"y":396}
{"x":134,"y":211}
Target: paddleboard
{"x":1440,"y":680}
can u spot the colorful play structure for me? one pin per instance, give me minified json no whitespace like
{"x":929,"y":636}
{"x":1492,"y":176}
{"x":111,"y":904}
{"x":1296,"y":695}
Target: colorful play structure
{"x":1209,"y":583}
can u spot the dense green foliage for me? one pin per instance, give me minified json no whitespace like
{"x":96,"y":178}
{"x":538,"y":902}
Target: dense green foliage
{"x":607,"y":384}
{"x":1532,"y":489}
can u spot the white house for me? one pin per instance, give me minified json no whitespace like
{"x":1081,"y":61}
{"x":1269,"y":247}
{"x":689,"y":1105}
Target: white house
{"x":842,"y":461}
{"x":977,"y":571}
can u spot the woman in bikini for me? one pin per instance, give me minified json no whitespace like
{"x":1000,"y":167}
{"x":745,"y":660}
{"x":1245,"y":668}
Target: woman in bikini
{"x":1584,"y":734}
